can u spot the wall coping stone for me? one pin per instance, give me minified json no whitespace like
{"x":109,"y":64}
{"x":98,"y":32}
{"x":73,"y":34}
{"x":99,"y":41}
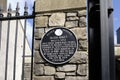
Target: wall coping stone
{"x":56,"y":5}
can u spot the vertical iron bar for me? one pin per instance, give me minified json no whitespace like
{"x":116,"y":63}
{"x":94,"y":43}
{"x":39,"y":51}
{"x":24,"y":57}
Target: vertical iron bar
{"x":94,"y":40}
{"x":0,"y":32}
{"x":24,"y":42}
{"x":105,"y":63}
{"x":32,"y":52}
{"x":111,"y":41}
{"x":7,"y":45}
{"x":100,"y":31}
{"x":15,"y":46}
{"x":25,"y":14}
{"x":32,"y":44}
{"x":1,"y":15}
{"x":15,"y":50}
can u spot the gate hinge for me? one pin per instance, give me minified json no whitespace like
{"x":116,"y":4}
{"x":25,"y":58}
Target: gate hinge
{"x":110,"y":10}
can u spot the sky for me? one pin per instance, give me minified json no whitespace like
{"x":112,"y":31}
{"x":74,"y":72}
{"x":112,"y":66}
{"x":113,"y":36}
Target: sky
{"x":116,"y":17}
{"x":21,"y":4}
{"x":116,"y":14}
{"x":30,"y":4}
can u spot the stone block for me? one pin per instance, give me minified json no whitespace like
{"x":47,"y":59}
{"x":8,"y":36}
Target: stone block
{"x":75,"y":78}
{"x":37,"y":44}
{"x":82,"y":45}
{"x":41,"y":21}
{"x":49,"y":70}
{"x":28,"y":64}
{"x":57,"y":19}
{"x":79,"y":57}
{"x":39,"y":33}
{"x":44,"y":78}
{"x":60,"y":75}
{"x":38,"y":69}
{"x":71,"y":73}
{"x":27,"y":71}
{"x":72,"y":18}
{"x":80,"y":33}
{"x":82,"y":69}
{"x":56,"y":5}
{"x":67,"y":68}
{"x":72,"y":14}
{"x":70,"y":24}
{"x":47,"y":29}
{"x":38,"y":58}
{"x":26,"y":78}
{"x":82,"y":22}
{"x":82,"y":13}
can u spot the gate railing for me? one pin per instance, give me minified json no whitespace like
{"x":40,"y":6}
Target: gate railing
{"x":16,"y":20}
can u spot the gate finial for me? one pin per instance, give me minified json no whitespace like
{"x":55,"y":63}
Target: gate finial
{"x":1,"y":15}
{"x":9,"y":11}
{"x":26,"y":9}
{"x":17,"y":9}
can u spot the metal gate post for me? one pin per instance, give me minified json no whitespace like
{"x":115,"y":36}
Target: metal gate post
{"x":101,"y":43}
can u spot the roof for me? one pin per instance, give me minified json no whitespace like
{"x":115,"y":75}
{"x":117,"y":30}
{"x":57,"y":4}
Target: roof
{"x":118,"y":29}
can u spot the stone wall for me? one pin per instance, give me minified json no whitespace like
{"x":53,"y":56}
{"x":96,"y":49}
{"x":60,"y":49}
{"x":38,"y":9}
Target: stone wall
{"x":77,"y":67}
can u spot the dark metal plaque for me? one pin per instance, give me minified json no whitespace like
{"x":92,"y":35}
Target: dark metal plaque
{"x":58,"y":45}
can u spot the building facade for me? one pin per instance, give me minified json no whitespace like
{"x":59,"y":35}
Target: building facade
{"x":118,"y":36}
{"x":3,"y":4}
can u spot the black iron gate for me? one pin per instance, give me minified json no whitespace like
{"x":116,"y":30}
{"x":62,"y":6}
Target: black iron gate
{"x":8,"y":52}
{"x":101,"y":41}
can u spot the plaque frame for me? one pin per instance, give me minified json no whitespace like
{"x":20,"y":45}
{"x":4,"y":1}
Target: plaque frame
{"x":41,"y":52}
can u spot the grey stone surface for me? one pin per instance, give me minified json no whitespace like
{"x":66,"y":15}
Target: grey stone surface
{"x":53,"y":14}
{"x":71,"y":73}
{"x":72,"y":18}
{"x":55,"y":5}
{"x":47,"y":29}
{"x":80,"y":33}
{"x":27,"y":64}
{"x":49,"y":70}
{"x":82,"y":69}
{"x":37,"y":44}
{"x":79,"y":57}
{"x":27,"y":71}
{"x":44,"y":78}
{"x":75,"y":78}
{"x":72,"y":14}
{"x":67,"y":68}
{"x":70,"y":24}
{"x":60,"y":75}
{"x":82,"y":45}
{"x":39,"y":33}
{"x":82,"y":13}
{"x":41,"y":21}
{"x":57,"y":19}
{"x":82,"y":22}
{"x":38,"y":58}
{"x":38,"y":69}
{"x":26,"y":78}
